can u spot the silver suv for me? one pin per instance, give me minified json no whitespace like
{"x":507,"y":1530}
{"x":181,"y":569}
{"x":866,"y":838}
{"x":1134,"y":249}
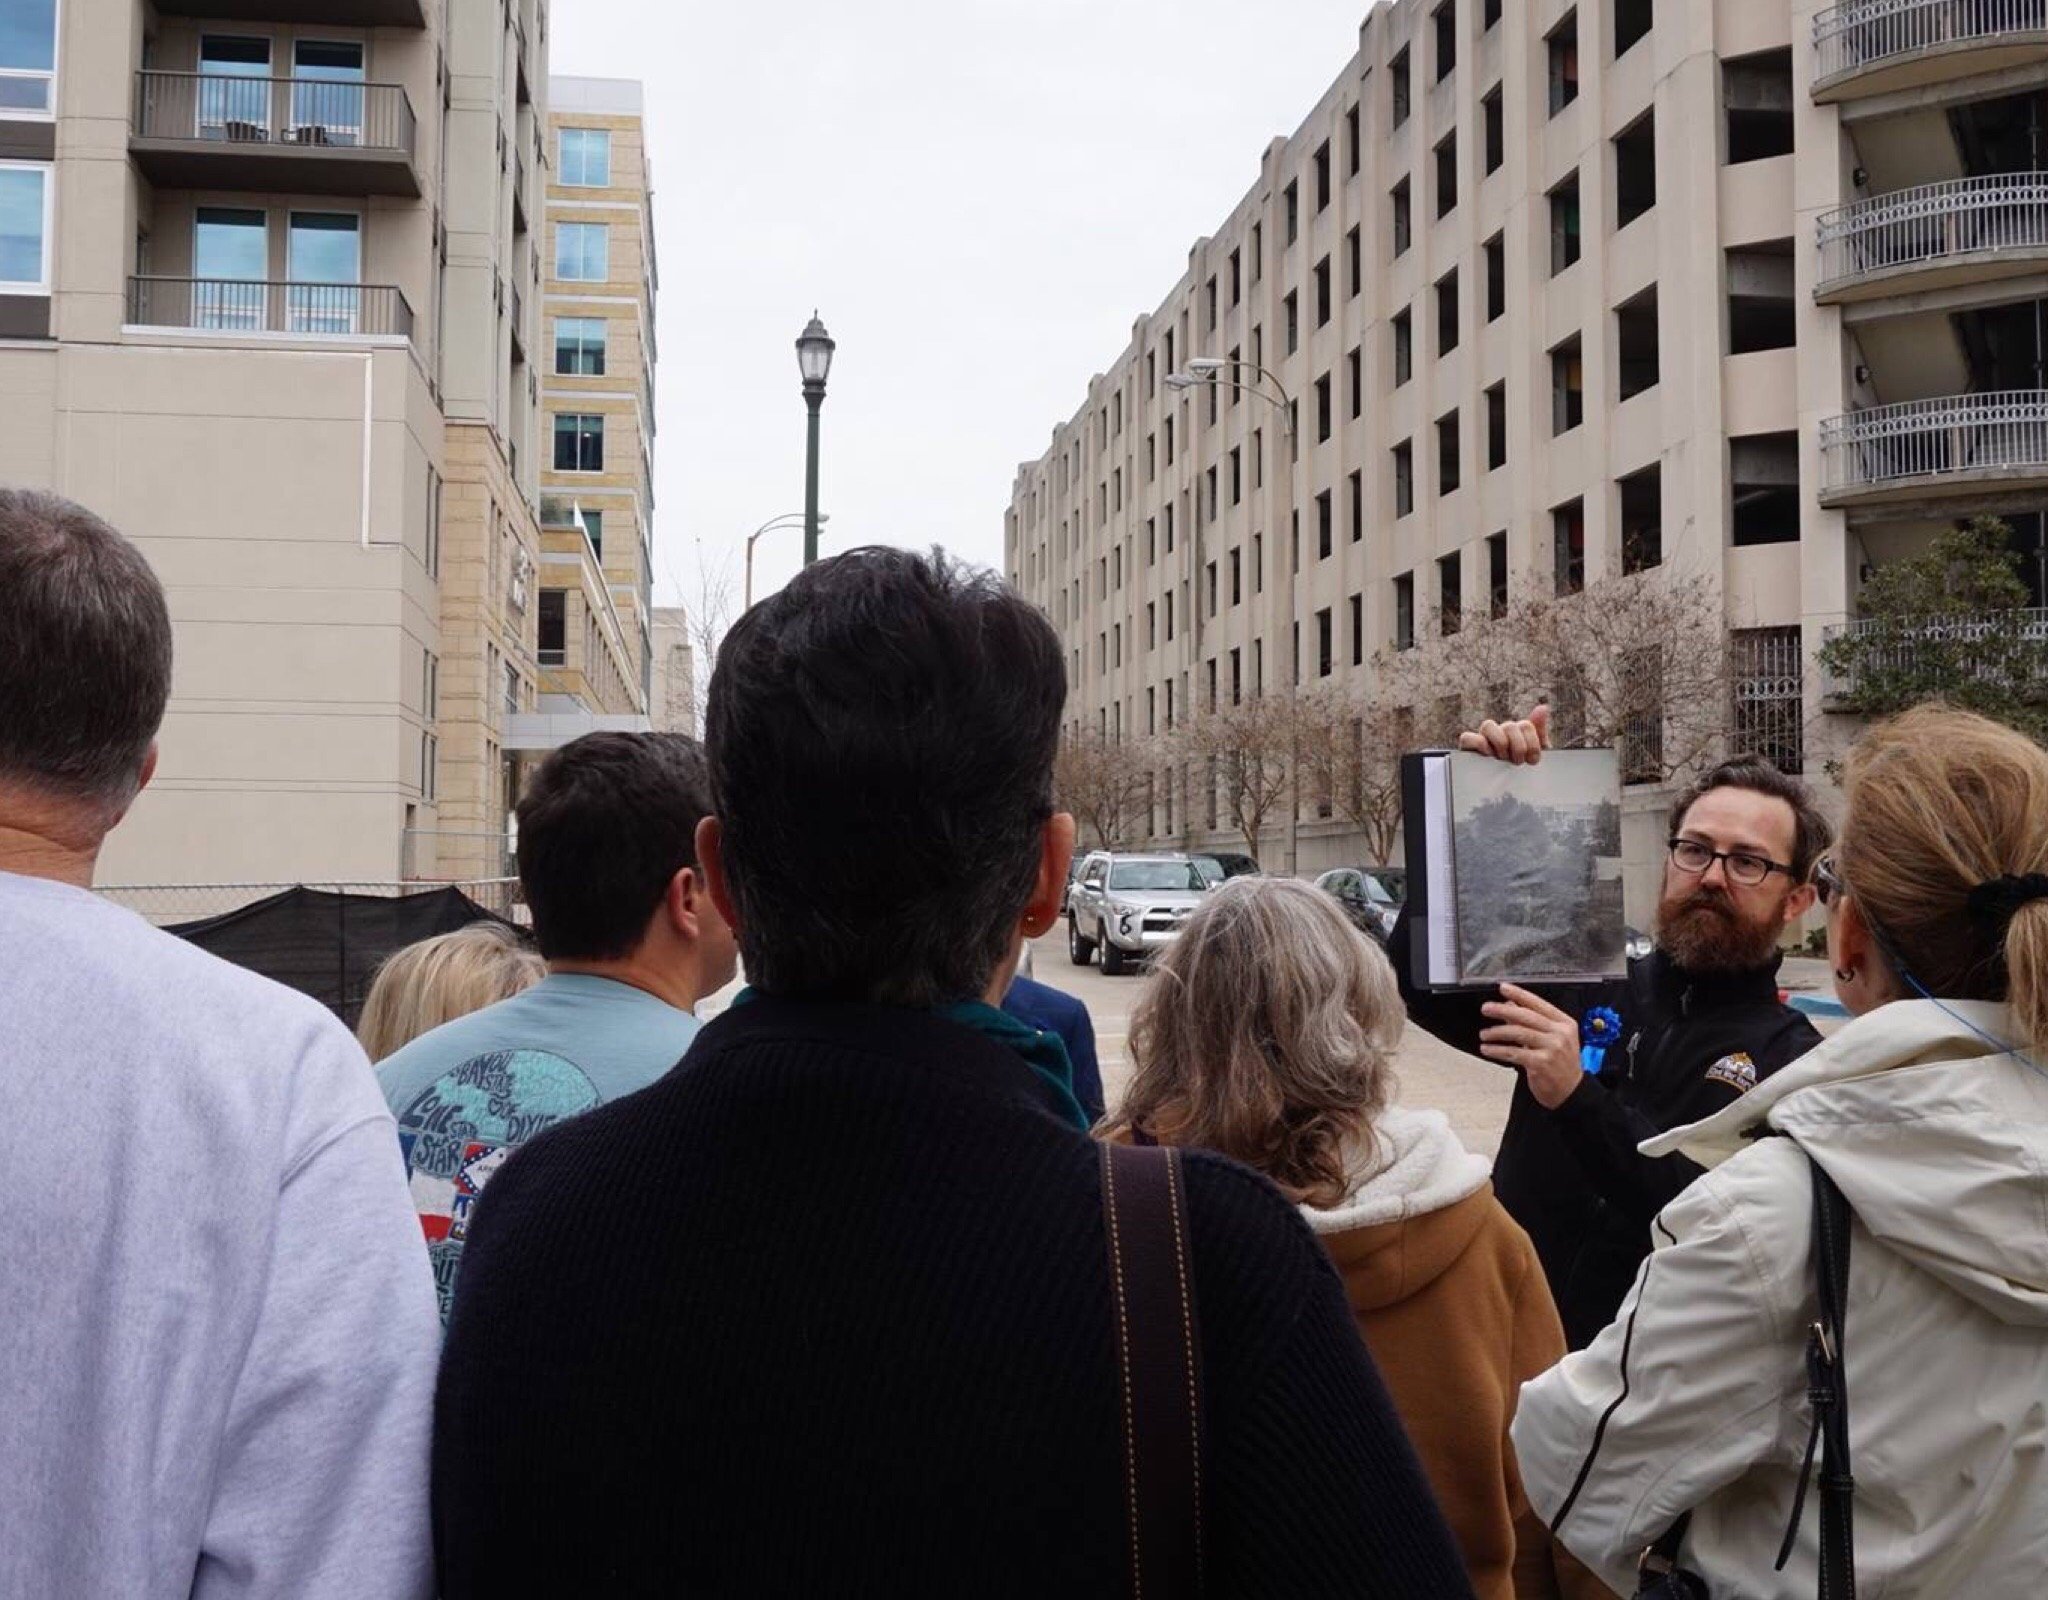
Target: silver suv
{"x":1129,"y":905}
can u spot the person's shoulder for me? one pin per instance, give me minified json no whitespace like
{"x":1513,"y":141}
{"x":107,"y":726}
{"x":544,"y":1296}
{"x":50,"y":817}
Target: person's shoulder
{"x":1030,"y":998}
{"x":1245,"y":1225}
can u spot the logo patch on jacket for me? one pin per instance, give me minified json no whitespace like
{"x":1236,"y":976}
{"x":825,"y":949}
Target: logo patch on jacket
{"x":1737,"y":1071}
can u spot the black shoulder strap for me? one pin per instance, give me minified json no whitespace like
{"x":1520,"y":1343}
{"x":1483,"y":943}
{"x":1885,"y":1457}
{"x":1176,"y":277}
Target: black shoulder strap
{"x":1827,"y":1392}
{"x":1158,"y":1366}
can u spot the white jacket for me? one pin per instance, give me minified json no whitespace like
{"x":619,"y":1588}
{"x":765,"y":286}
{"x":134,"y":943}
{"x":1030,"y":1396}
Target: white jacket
{"x":1697,"y":1392}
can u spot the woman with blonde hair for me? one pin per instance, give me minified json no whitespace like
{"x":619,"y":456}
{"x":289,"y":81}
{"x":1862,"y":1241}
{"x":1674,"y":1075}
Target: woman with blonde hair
{"x":439,"y":979}
{"x":1266,"y":1033}
{"x":1689,"y":1423}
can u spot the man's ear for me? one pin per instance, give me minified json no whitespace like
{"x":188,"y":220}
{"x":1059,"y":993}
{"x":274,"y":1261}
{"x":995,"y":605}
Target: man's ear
{"x":1056,"y":853}
{"x":1798,"y":903}
{"x":711,"y":869}
{"x":686,"y":902}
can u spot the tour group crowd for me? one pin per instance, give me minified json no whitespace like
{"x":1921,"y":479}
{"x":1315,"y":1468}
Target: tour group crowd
{"x":837,"y":1295}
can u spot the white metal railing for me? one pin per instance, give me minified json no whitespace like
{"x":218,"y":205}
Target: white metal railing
{"x":1933,"y":221}
{"x":1862,"y":33}
{"x":1890,"y":646}
{"x":1923,"y":439}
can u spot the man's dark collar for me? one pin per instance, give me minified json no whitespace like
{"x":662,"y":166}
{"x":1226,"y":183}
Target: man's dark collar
{"x":1666,"y":976}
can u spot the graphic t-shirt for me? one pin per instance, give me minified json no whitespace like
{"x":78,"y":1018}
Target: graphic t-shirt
{"x":472,"y":1091}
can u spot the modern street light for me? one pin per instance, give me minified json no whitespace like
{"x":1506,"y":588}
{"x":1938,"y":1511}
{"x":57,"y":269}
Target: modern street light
{"x":1203,"y":371}
{"x":814,"y":349}
{"x":788,"y":519}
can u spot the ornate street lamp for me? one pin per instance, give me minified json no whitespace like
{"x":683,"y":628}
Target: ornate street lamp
{"x":814,"y":349}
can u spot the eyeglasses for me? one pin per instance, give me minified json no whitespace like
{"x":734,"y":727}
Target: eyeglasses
{"x":1827,"y":880}
{"x":1693,"y":858}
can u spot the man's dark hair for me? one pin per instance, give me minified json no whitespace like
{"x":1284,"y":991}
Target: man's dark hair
{"x":604,"y":826}
{"x":881,"y":736}
{"x":1812,"y":831}
{"x":85,"y":651}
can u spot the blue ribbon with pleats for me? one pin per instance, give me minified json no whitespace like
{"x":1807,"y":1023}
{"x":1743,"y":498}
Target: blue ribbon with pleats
{"x":1598,"y":1029}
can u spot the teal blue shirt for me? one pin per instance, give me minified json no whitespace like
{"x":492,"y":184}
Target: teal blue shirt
{"x":472,"y":1091}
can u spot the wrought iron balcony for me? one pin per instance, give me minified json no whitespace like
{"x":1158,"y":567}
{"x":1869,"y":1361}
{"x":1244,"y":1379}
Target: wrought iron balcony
{"x":296,"y":310}
{"x":1927,"y":448}
{"x":1865,"y":47}
{"x":1961,"y":231}
{"x":1893,"y":650}
{"x":202,"y":130}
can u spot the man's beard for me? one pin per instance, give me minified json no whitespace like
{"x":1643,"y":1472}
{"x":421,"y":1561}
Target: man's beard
{"x":1705,"y":931}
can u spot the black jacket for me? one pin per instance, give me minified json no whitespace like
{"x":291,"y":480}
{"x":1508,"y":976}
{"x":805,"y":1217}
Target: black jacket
{"x":826,"y":1311}
{"x":1573,"y":1177}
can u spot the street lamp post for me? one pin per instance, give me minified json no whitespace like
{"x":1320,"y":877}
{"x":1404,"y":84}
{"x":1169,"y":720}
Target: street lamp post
{"x":788,"y":519}
{"x":814,"y":349}
{"x":1264,"y":385}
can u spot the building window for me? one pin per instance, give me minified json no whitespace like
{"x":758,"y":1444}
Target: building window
{"x":1290,"y":212}
{"x":1497,"y":575}
{"x":1236,"y":276}
{"x":592,"y":523}
{"x":1354,"y":262}
{"x":1756,"y":93}
{"x":1635,"y":331}
{"x":1760,"y":298}
{"x":1403,"y":220}
{"x":1322,"y":165}
{"x":1322,"y":278}
{"x":1354,"y":370}
{"x":1237,"y":577}
{"x":1450,"y":596}
{"x":1326,"y":525}
{"x":1642,"y":519}
{"x":1404,"y":611}
{"x":1567,"y":387}
{"x":1496,"y":277}
{"x":1763,"y":488}
{"x":1447,"y":453}
{"x":1404,"y":347}
{"x":1489,"y":14}
{"x":1563,"y":45}
{"x":1642,"y":729}
{"x":1564,"y":225}
{"x":1404,"y":478}
{"x":1326,"y":651}
{"x":1635,"y":169}
{"x":1398,"y":86}
{"x":25,"y":203}
{"x":579,"y":442}
{"x":1447,"y":313}
{"x":1258,"y":251}
{"x":1493,"y":113}
{"x":1236,"y":475}
{"x":586,"y":158}
{"x":580,"y":346}
{"x":1445,"y":18}
{"x":582,"y":252}
{"x":1770,"y":695}
{"x":1323,"y":409}
{"x":554,"y":627}
{"x":28,"y":59}
{"x":1351,"y":151}
{"x":1212,"y":302}
{"x":1497,"y":427}
{"x":1568,"y":542}
{"x":1631,"y":23}
{"x":1292,"y":307}
{"x":1447,"y":175}
{"x":1357,"y":494}
{"x":1358,"y":630}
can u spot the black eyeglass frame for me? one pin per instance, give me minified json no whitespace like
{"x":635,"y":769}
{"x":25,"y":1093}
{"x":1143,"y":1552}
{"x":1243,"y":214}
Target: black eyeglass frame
{"x":1727,"y":859}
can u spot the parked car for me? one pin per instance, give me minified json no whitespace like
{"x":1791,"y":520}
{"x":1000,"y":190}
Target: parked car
{"x":1228,"y":865}
{"x":1073,"y":877}
{"x":1364,"y":897}
{"x":1126,"y":906}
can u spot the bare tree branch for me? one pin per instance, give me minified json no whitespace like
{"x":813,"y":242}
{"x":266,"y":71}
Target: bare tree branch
{"x":1106,"y":785}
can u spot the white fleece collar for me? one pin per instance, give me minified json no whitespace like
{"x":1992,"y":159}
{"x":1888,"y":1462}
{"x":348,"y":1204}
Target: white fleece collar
{"x":1409,"y":1163}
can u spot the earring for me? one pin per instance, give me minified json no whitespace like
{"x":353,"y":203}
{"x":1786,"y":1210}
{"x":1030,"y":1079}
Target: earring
{"x":1845,"y":976}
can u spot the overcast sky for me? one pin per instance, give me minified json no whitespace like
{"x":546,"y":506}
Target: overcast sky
{"x":978,"y":196}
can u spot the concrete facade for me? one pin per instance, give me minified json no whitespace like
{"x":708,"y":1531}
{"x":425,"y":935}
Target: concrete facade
{"x":1550,"y":279}
{"x":674,"y":704}
{"x":270,"y":338}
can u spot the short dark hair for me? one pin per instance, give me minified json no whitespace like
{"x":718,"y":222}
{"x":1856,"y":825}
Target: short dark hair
{"x":85,"y":651}
{"x":1811,"y":830}
{"x":881,"y":736}
{"x":604,"y":826}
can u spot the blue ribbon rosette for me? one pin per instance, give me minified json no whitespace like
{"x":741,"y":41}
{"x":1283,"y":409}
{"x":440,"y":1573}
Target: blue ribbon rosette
{"x":1598,"y":1029}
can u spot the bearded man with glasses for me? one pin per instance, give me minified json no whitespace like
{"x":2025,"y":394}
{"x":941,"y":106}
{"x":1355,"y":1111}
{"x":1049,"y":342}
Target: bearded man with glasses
{"x":1696,"y":1023}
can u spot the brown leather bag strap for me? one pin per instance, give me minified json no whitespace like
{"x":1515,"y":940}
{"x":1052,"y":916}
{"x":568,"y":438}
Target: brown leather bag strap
{"x":1159,"y":1375}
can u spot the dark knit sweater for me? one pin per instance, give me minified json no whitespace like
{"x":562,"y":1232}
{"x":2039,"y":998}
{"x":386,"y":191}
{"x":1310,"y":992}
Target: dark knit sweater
{"x":826,"y":1312}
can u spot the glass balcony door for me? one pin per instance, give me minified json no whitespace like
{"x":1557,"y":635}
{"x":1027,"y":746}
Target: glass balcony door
{"x":327,"y":92}
{"x":234,"y":88}
{"x":326,"y":269}
{"x":230,"y":261}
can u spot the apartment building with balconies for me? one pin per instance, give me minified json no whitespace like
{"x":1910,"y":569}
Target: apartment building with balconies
{"x":1558,"y":292}
{"x":247,"y":311}
{"x":597,"y":394}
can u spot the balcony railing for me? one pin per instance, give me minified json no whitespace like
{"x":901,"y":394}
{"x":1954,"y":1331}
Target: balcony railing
{"x":1935,"y":222}
{"x":1862,"y":34}
{"x":1998,"y":646}
{"x":232,"y":305}
{"x":1919,"y":442}
{"x":296,"y":113}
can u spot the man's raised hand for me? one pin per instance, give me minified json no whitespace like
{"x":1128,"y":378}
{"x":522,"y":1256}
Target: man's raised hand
{"x":1520,"y":743}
